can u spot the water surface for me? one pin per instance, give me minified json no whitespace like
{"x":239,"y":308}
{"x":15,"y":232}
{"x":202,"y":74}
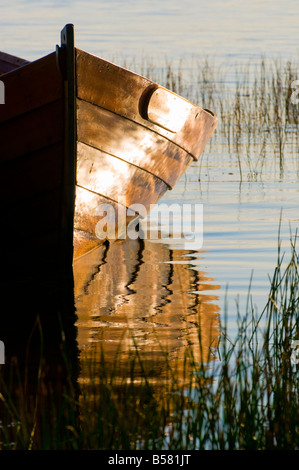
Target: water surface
{"x":161,"y":291}
{"x":228,"y":31}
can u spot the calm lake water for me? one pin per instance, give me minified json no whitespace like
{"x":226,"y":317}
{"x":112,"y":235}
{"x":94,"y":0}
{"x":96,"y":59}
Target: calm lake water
{"x":158,"y":289}
{"x":226,"y":30}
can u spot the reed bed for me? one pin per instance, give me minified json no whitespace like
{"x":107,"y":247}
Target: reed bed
{"x":245,"y":399}
{"x":256,"y":105}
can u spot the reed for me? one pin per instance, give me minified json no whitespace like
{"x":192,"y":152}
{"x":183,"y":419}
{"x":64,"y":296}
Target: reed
{"x":246,"y":399}
{"x":258,"y":119}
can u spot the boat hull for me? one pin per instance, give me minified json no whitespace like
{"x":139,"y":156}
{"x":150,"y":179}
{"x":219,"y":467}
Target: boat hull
{"x":77,"y":134}
{"x":126,"y":154}
{"x":32,"y":167}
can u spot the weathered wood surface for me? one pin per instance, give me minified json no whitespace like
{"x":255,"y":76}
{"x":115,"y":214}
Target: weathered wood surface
{"x":116,"y":179}
{"x":31,"y":87}
{"x":168,"y":110}
{"x":89,"y":212}
{"x":131,"y":142}
{"x":135,"y":139}
{"x":91,"y":208}
{"x":128,"y":94}
{"x":10,"y":62}
{"x":106,"y":180}
{"x":32,"y":131}
{"x":84,"y":243}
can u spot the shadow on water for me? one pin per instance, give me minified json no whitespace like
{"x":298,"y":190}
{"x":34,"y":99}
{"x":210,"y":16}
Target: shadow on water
{"x":38,"y":330}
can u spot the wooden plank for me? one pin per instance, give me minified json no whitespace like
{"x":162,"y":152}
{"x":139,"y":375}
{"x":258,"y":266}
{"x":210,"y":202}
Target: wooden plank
{"x":197,"y":132}
{"x":31,"y":86}
{"x":84,"y":243}
{"x":88,"y":210}
{"x":32,"y":174}
{"x":32,"y":131}
{"x":12,"y":59}
{"x":116,"y":179}
{"x":10,"y":62}
{"x":168,"y":110}
{"x":128,"y":94}
{"x":131,"y":142}
{"x":108,"y":85}
{"x":92,"y":208}
{"x":6,"y":67}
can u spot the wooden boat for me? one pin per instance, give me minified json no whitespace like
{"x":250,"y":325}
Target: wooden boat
{"x":77,"y":131}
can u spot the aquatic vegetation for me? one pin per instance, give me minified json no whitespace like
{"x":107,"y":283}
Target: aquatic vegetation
{"x":257,"y":115}
{"x":246,"y":399}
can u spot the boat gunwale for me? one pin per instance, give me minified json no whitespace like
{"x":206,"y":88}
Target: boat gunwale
{"x":209,"y":119}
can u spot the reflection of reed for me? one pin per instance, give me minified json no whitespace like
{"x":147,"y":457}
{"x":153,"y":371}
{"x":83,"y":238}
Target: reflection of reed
{"x":136,"y":289}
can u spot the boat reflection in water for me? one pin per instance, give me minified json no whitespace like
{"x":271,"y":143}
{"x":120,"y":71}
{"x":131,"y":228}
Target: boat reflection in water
{"x":145,"y":295}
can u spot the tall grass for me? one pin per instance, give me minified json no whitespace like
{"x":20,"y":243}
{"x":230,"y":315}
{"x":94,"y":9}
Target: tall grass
{"x":257,"y":118}
{"x":246,"y":399}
